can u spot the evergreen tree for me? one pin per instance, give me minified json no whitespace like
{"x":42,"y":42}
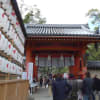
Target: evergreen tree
{"x":94,"y":49}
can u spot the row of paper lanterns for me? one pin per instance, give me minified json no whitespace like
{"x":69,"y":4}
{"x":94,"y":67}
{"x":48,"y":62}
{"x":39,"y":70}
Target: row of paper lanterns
{"x":9,"y":67}
{"x":11,"y":33}
{"x":9,"y":30}
{"x":18,"y":29}
{"x":8,"y":48}
{"x":9,"y":11}
{"x":7,"y":23}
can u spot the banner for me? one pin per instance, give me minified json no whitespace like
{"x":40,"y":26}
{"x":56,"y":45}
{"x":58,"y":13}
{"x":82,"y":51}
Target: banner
{"x":30,"y":72}
{"x":24,"y":75}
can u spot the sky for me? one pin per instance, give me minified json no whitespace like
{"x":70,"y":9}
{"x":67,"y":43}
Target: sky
{"x":65,"y":11}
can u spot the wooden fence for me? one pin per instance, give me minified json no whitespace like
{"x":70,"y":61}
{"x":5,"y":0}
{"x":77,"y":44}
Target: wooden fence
{"x":14,"y":90}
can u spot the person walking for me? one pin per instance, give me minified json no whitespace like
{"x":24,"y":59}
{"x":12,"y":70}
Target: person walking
{"x":41,"y":81}
{"x":96,"y":85}
{"x":87,"y":88}
{"x":45,"y":81}
{"x":60,"y":88}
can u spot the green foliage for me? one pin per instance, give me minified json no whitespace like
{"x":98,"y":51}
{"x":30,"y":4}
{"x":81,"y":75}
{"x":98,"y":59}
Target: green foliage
{"x":61,"y":70}
{"x":27,"y":17}
{"x":34,"y":16}
{"x":93,"y":54}
{"x":92,"y":51}
{"x":54,"y":70}
{"x":95,"y":14}
{"x":92,"y":11}
{"x":31,"y":14}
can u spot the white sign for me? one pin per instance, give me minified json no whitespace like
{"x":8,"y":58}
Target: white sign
{"x":30,"y":72}
{"x":24,"y":75}
{"x":65,"y":76}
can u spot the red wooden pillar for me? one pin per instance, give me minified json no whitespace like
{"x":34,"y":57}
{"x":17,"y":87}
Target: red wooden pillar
{"x":28,"y":57}
{"x":79,"y":69}
{"x":83,"y":67}
{"x":35,"y":69}
{"x":76,"y":68}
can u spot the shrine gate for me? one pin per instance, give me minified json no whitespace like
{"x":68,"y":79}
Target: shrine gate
{"x":59,"y":45}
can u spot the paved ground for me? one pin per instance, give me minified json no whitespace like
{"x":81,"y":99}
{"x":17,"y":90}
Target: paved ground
{"x":41,"y":94}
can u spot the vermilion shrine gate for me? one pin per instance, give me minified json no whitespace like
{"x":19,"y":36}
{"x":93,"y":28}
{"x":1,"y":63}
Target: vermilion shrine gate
{"x":59,"y":45}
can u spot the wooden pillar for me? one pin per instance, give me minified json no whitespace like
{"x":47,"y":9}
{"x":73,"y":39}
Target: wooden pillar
{"x":28,"y":57}
{"x":83,"y":67}
{"x":79,"y":69}
{"x":76,"y":68}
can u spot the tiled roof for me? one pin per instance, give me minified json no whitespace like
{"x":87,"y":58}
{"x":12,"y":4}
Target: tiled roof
{"x":59,"y":30}
{"x":93,"y":64}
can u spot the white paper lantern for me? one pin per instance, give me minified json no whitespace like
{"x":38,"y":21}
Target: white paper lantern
{"x":9,"y":31}
{"x":6,"y":24}
{"x":5,"y":44}
{"x":6,"y":48}
{"x":7,"y":4}
{"x":2,"y":42}
{"x":1,"y":64}
{"x":13,"y":17}
{"x":9,"y":48}
{"x":2,"y":16}
{"x":6,"y":65}
{"x":14,"y":69}
{"x":9,"y":66}
{"x":8,"y":11}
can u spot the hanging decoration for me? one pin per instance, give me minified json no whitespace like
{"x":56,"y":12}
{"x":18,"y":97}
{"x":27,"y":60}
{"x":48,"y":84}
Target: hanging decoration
{"x":61,"y":61}
{"x":36,"y":60}
{"x":49,"y":61}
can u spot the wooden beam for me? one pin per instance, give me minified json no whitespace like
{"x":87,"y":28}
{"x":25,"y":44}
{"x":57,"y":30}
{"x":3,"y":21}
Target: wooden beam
{"x":65,"y":38}
{"x":56,"y":48}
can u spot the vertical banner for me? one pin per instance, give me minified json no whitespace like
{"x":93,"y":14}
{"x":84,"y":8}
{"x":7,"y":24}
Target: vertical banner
{"x":30,"y":72}
{"x":24,"y":75}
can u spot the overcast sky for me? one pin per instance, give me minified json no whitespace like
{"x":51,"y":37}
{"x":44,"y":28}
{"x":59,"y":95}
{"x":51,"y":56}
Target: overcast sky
{"x":65,"y":11}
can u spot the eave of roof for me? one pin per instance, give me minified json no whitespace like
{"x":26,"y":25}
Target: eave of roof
{"x":15,"y":6}
{"x":59,"y":30}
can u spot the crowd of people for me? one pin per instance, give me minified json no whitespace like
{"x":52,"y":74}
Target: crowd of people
{"x":60,"y":88}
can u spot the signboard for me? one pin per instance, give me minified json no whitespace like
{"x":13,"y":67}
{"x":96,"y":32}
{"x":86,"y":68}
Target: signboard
{"x":30,"y":72}
{"x":24,"y":75}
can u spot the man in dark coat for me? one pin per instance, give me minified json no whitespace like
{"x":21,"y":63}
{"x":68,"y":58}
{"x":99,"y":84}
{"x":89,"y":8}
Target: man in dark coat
{"x":87,"y":88}
{"x":96,"y":83}
{"x":60,"y":88}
